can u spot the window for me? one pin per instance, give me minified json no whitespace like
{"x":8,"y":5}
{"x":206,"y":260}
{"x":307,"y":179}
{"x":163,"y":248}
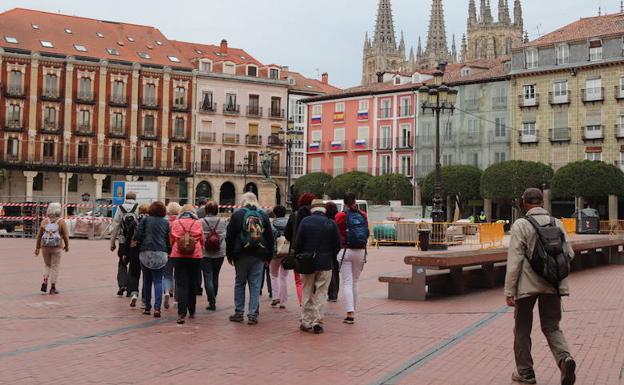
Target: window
{"x":38,"y":182}
{"x":84,"y":120}
{"x":130,"y":39}
{"x":83,"y":151}
{"x":596,"y":156}
{"x":448,"y":130}
{"x":500,"y":97}
{"x":500,"y":127}
{"x":473,"y":129}
{"x":385,"y":165}
{"x":48,"y":150}
{"x":205,"y":160}
{"x":149,"y":94}
{"x":173,"y":59}
{"x":531,"y":58}
{"x":563,"y":54}
{"x":117,"y":121}
{"x":362,"y":163}
{"x":148,"y":125}
{"x":385,"y":109}
{"x":179,"y":128}
{"x":84,"y":88}
{"x":15,"y":82}
{"x":362,"y":133}
{"x":144,"y":55}
{"x":252,"y":71}
{"x":14,"y":116}
{"x":50,"y":85}
{"x":560,"y":91}
{"x":338,"y":165}
{"x":405,"y":165}
{"x":12,"y":147}
{"x":46,"y":44}
{"x":49,"y":117}
{"x":621,"y":87}
{"x":363,"y":106}
{"x":406,"y":136}
{"x":230,"y":157}
{"x":180,"y":97}
{"x":67,"y":30}
{"x":447,"y":159}
{"x":254,"y":104}
{"x":178,"y":156}
{"x":593,"y":123}
{"x":148,"y":155}
{"x":276,"y":106}
{"x":116,"y":153}
{"x":316,"y":136}
{"x":595,"y":50}
{"x":112,"y":51}
{"x":106,"y":184}
{"x":499,"y":157}
{"x":230,"y":103}
{"x":385,"y":141}
{"x":397,"y":81}
{"x":205,"y":66}
{"x":207,"y":101}
{"x":72,"y":183}
{"x":406,"y":106}
{"x":593,"y":89}
{"x":529,"y":129}
{"x":340,"y":107}
{"x":99,"y":34}
{"x":229,"y":68}
{"x":80,"y":48}
{"x":529,"y":93}
{"x":274,"y":73}
{"x":118,"y":90}
{"x":315,"y":164}
{"x":473,"y":159}
{"x":317,"y":110}
{"x":10,"y":39}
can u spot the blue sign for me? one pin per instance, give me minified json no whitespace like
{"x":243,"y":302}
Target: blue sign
{"x":119,"y":194}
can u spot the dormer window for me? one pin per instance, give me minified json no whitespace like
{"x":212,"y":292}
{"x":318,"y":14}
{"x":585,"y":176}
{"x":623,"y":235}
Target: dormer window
{"x":198,"y":51}
{"x":112,"y":51}
{"x":397,"y":80}
{"x":205,"y":66}
{"x":158,"y":42}
{"x":229,"y":68}
{"x":291,"y":81}
{"x":11,"y":39}
{"x":130,"y":39}
{"x":99,"y":34}
{"x":173,"y":59}
{"x":563,"y":54}
{"x":69,"y":31}
{"x":47,"y":44}
{"x":274,"y":73}
{"x":252,"y":71}
{"x":595,"y":50}
{"x":35,"y":26}
{"x":465,"y":72}
{"x":531,"y":58}
{"x":80,"y":48}
{"x":144,"y":55}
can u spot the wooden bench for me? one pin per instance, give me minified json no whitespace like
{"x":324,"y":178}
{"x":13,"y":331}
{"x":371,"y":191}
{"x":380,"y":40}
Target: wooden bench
{"x":452,"y":272}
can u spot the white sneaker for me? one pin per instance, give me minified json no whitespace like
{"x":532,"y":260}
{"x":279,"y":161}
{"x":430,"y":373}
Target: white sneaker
{"x":133,"y":301}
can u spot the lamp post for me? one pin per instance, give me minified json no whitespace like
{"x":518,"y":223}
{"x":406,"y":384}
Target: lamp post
{"x":438,"y":98}
{"x":244,"y":167}
{"x":291,"y":134}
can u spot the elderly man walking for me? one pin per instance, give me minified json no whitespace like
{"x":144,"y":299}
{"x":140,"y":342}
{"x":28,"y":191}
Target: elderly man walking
{"x":125,"y":222}
{"x":525,"y":286}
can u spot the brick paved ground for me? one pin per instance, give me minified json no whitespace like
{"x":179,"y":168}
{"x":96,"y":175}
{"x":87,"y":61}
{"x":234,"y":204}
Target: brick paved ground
{"x":88,"y":335}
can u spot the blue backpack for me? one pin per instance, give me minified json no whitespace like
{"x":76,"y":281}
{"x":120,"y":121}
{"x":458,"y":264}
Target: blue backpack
{"x":357,"y":230}
{"x":252,"y":234}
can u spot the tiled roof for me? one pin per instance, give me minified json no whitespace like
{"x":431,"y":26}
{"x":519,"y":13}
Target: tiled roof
{"x":308,"y":85}
{"x":480,"y":70}
{"x":368,"y":89}
{"x":80,"y":36}
{"x":582,"y":29}
{"x":195,"y":51}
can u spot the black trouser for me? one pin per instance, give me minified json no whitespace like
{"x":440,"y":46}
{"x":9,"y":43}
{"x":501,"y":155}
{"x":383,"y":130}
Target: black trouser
{"x":122,"y":268}
{"x":134,"y":271}
{"x":186,"y":272}
{"x":334,"y":284}
{"x":210,"y":268}
{"x":266,"y":273}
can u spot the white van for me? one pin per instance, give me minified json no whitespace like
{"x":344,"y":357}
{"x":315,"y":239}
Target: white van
{"x":361,"y":204}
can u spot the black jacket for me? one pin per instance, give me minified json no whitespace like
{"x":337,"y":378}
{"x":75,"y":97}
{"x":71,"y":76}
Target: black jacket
{"x":293,"y":224}
{"x":153,"y":234}
{"x":319,"y":234}
{"x":233,"y":243}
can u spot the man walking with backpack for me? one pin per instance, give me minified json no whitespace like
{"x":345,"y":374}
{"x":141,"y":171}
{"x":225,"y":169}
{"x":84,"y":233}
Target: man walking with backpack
{"x":537,"y":266}
{"x":125,"y":222}
{"x":249,"y":246}
{"x":214,"y":251}
{"x":354,"y":232}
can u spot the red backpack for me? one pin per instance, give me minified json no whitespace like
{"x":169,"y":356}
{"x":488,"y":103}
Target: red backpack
{"x":213,"y":241}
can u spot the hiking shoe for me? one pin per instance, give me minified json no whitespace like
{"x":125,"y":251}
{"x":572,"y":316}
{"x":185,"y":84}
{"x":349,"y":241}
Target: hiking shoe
{"x":568,"y":369}
{"x":156,"y":313}
{"x":525,"y":379}
{"x":318,"y":329}
{"x":147,"y":312}
{"x":44,"y":287}
{"x":167,"y":297}
{"x":121,"y":291}
{"x":53,"y":290}
{"x":275,"y":303}
{"x":252,"y":320}
{"x":133,"y":301}
{"x":237,"y":317}
{"x":349,"y":320}
{"x":180,"y":320}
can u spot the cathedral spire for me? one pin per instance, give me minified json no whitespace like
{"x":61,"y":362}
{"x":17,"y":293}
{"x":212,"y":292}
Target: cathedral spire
{"x":384,"y":28}
{"x":482,"y":10}
{"x":464,"y":49}
{"x":419,"y":52}
{"x":518,"y":22}
{"x":402,"y":44}
{"x":472,"y":14}
{"x":503,"y":12}
{"x":436,"y":41}
{"x":412,"y":60}
{"x":453,"y":51}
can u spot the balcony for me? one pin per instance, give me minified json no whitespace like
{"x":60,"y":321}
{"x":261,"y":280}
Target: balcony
{"x":232,"y":139}
{"x":85,"y":98}
{"x":180,"y":137}
{"x":361,"y":145}
{"x":619,"y":131}
{"x":206,"y":137}
{"x":561,"y":134}
{"x":528,"y":136}
{"x":254,"y":111}
{"x":385,"y":113}
{"x":49,"y":127}
{"x":148,"y":162}
{"x":231,"y":109}
{"x":50,"y":96}
{"x":276,"y":113}
{"x":148,"y":134}
{"x":593,"y":95}
{"x":405,"y":111}
{"x":253,"y":140}
{"x":275,"y":141}
{"x":14,"y":126}
{"x":404,"y":143}
{"x":117,"y":133}
{"x":118,"y":101}
{"x":49,"y":159}
{"x":149,"y":103}
{"x":84,"y":130}
{"x":315,"y":147}
{"x":337,"y":146}
{"x":593,"y":132}
{"x":83,"y":160}
{"x":15,"y":92}
{"x":619,"y":92}
{"x":524,"y":102}
{"x":499,"y":102}
{"x":384,"y":144}
{"x":207,"y":107}
{"x":472,"y":104}
{"x":180,"y":107}
{"x":559,"y":98}
{"x":116,"y":162}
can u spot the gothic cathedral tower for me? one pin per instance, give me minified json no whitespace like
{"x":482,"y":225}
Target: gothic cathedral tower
{"x":382,"y":53}
{"x":488,"y":39}
{"x":436,"y":50}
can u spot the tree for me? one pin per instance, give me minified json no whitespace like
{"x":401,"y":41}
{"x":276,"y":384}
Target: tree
{"x":315,"y":183}
{"x":460,"y":182}
{"x":354,"y":182}
{"x":508,"y":180}
{"x":389,"y":187}
{"x":588,"y":179}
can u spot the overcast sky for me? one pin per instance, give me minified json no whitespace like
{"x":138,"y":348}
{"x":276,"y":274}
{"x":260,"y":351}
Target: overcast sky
{"x":310,"y":36}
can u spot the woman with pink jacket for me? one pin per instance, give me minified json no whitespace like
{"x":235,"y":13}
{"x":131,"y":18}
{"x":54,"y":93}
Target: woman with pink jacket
{"x":186,"y":259}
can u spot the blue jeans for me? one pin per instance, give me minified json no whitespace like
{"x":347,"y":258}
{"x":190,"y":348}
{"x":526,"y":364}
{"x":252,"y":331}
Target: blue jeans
{"x":152,"y":277}
{"x":211,"y":268}
{"x":249,"y":271}
{"x":168,"y":277}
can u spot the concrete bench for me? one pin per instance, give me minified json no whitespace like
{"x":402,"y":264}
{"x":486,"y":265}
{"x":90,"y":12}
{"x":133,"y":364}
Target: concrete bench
{"x":453,"y":272}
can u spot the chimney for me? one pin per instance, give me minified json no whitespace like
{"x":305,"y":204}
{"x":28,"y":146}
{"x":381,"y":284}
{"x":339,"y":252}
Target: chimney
{"x":325,"y":78}
{"x":224,"y":47}
{"x":380,"y":76}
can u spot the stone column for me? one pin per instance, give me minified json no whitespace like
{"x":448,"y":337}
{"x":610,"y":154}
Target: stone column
{"x":162,"y":182}
{"x":613,"y":207}
{"x":64,"y":176}
{"x":99,"y":179}
{"x":101,"y":122}
{"x":134,"y":99}
{"x":578,"y":203}
{"x":417,"y":195}
{"x":266,"y":192}
{"x":30,"y":176}
{"x":547,"y":200}
{"x":67,"y":112}
{"x":33,"y":106}
{"x":190,"y":186}
{"x":487,"y":209}
{"x":165,"y":118}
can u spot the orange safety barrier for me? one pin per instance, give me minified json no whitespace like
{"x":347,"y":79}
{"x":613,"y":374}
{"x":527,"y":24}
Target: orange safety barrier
{"x":491,"y":235}
{"x":570,"y":225}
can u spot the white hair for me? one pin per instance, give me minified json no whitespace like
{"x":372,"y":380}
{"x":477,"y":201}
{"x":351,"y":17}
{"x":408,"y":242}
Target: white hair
{"x":249,"y":199}
{"x":54,"y":209}
{"x":317,"y":209}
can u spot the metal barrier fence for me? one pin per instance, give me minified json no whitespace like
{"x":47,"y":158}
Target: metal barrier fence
{"x":474,"y":235}
{"x":612,"y":227}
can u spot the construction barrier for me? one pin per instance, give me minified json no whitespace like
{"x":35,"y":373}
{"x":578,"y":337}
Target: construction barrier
{"x":491,"y":234}
{"x":612,"y":227}
{"x":570,"y":225}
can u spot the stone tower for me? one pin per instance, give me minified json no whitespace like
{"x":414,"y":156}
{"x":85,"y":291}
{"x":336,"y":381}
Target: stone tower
{"x":437,"y":47}
{"x":489,"y":39}
{"x":382,"y":53}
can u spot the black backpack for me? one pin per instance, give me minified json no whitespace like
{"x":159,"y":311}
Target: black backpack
{"x":549,"y":259}
{"x":129,"y":223}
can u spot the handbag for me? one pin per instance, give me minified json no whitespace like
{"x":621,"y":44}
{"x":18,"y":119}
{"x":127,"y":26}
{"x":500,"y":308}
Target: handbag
{"x":289,"y":262}
{"x":283,"y":247}
{"x":304,"y":263}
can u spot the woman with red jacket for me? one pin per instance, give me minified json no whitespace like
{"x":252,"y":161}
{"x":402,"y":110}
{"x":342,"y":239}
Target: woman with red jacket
{"x":186,"y":262}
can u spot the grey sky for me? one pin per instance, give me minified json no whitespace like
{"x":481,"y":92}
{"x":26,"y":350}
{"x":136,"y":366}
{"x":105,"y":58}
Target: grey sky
{"x":305,"y":34}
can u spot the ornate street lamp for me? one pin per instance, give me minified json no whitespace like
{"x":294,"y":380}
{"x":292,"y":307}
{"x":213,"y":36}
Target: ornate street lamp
{"x":438,"y":98}
{"x":291,"y":136}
